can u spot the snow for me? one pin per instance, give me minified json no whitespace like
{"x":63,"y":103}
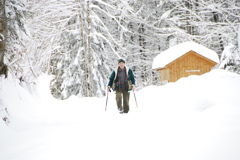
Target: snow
{"x":195,"y":118}
{"x":166,"y":14}
{"x":226,"y":55}
{"x":177,"y":51}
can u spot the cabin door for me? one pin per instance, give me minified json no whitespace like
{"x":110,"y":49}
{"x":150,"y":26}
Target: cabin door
{"x":164,"y":75}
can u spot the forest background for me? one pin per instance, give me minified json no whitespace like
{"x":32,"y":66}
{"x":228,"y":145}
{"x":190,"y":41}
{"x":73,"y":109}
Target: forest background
{"x":78,"y":42}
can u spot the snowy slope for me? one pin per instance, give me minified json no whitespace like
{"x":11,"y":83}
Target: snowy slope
{"x":196,"y":118}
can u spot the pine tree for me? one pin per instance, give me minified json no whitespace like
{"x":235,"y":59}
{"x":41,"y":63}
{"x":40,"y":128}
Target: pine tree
{"x":17,"y":36}
{"x":83,"y":57}
{"x":82,"y":50}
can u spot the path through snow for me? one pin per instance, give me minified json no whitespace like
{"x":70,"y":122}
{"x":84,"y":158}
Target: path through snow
{"x":197,"y":118}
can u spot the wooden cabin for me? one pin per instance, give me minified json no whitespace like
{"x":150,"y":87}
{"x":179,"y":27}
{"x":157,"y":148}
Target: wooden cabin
{"x":183,"y":60}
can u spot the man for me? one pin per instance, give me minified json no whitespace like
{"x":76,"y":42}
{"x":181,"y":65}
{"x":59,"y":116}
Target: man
{"x":122,"y":80}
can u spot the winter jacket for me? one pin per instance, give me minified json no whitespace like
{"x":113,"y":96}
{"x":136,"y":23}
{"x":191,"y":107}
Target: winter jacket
{"x":113,"y":78}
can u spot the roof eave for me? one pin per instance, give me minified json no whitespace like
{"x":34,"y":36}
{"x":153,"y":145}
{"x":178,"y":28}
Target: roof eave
{"x":159,"y":68}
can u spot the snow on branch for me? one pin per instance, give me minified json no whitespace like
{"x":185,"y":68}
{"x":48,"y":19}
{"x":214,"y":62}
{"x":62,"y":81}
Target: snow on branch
{"x":108,"y":14}
{"x":1,"y":37}
{"x":107,"y":40}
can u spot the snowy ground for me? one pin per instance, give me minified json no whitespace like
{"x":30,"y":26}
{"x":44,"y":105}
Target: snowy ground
{"x":196,"y":118}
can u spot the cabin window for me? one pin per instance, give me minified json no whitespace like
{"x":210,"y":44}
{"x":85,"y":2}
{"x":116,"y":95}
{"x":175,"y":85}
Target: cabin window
{"x":193,"y":71}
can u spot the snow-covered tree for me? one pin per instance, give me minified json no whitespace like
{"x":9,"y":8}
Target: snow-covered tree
{"x":13,"y":38}
{"x":2,"y":36}
{"x":83,"y":57}
{"x":46,"y":26}
{"x":17,"y":36}
{"x":230,"y":59}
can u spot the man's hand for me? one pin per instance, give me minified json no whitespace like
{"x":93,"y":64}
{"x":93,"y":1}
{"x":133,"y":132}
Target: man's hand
{"x":108,"y":88}
{"x":133,"y":87}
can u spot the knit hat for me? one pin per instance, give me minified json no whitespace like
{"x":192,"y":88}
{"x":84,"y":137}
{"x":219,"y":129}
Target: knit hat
{"x":121,"y":60}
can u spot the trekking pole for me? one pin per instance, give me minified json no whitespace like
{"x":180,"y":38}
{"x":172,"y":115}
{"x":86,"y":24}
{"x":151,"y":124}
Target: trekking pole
{"x":107,"y":99}
{"x":135,"y":98}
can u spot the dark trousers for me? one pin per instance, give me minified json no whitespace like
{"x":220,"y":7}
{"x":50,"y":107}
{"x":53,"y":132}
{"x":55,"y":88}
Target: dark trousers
{"x":126,"y":95}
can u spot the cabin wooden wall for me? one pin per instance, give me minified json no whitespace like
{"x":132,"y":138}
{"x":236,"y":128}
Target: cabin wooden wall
{"x":190,"y":63}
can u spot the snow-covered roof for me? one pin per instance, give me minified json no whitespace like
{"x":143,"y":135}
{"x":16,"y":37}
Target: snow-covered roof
{"x":177,"y":51}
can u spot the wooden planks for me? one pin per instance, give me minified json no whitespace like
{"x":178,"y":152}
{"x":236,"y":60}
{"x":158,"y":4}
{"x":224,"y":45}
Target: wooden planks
{"x":190,"y":63}
{"x":164,"y":75}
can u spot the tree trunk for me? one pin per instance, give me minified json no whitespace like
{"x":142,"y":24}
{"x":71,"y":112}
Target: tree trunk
{"x":142,"y":52}
{"x":89,"y":48}
{"x":83,"y":51}
{"x":239,"y":36}
{"x":2,"y":36}
{"x":188,"y":18}
{"x":216,"y":20}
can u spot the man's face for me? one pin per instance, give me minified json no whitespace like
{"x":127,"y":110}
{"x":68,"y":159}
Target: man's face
{"x":121,"y":64}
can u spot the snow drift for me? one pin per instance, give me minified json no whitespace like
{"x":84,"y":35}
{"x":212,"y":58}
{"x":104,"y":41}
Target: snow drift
{"x":195,"y":118}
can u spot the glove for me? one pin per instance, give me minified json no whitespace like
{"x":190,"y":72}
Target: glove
{"x":133,"y":87}
{"x":108,"y":88}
